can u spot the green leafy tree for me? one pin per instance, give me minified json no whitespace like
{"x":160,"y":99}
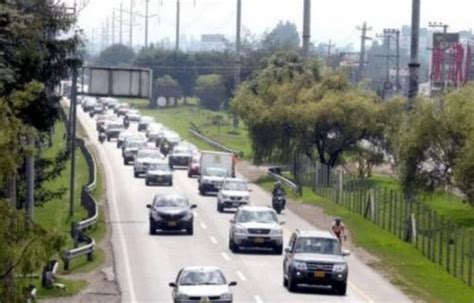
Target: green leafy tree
{"x":436,"y":144}
{"x":283,"y":37}
{"x":167,"y":87}
{"x":116,"y":55}
{"x":210,"y":90}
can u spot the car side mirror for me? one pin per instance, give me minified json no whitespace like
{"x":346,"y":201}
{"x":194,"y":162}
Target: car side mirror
{"x":346,"y":253}
{"x":233,"y":283}
{"x":232,"y":221}
{"x":172,"y":284}
{"x":250,"y":190}
{"x":193,"y":206}
{"x":288,"y":250}
{"x":148,"y":206}
{"x":282,"y":223}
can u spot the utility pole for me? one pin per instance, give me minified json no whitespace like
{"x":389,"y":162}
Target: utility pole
{"x":121,"y":23}
{"x":237,"y":72}
{"x":107,"y":33}
{"x":113,"y":27}
{"x":388,"y":35}
{"x":329,"y":47}
{"x":178,"y":7}
{"x":73,"y":139}
{"x":443,"y":46}
{"x":364,"y":29}
{"x":131,"y":24}
{"x":397,"y":57}
{"x":414,"y":65}
{"x":146,"y":22}
{"x":306,"y":29}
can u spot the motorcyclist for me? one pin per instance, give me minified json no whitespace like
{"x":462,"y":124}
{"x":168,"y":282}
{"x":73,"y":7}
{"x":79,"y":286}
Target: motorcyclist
{"x":339,"y":229}
{"x":102,"y":137}
{"x":278,"y":190}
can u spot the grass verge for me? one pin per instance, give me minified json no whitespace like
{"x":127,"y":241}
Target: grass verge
{"x":407,"y":267}
{"x":179,"y":118}
{"x":72,"y":288}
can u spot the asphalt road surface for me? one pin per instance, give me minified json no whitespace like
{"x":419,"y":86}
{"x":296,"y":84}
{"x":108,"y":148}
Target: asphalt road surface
{"x":146,"y":264}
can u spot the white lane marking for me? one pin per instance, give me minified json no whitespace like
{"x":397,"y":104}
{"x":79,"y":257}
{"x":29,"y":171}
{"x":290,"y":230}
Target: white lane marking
{"x":241,"y":276}
{"x":225,"y":256}
{"x":360,"y":292}
{"x":196,"y":214}
{"x":258,"y":299}
{"x":213,"y":240}
{"x":123,"y":244}
{"x":203,"y":225}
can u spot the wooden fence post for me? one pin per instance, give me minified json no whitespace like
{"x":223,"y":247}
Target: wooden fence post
{"x":440,"y":255}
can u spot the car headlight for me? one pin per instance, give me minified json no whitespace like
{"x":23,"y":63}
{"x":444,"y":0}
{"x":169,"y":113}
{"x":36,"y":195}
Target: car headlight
{"x":277,"y":231}
{"x":225,"y":197}
{"x":226,"y":296}
{"x":240,"y":230}
{"x":188,"y":216}
{"x":181,"y":296}
{"x":339,"y":267}
{"x":298,"y":265}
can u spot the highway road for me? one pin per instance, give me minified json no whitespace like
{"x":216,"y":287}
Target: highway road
{"x":145,"y":264}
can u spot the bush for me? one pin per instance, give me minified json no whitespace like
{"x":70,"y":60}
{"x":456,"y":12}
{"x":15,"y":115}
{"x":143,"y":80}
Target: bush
{"x":210,"y":90}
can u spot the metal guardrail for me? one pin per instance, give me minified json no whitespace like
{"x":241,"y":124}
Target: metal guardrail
{"x":275,"y":173}
{"x":88,"y":202}
{"x":214,"y":143}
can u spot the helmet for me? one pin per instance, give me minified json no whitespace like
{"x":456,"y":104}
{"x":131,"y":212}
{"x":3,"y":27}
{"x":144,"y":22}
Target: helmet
{"x":277,"y":183}
{"x":338,"y":220}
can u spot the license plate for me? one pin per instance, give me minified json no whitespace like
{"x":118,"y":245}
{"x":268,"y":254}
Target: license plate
{"x":235,"y":204}
{"x":319,"y":274}
{"x":259,"y":240}
{"x":172,"y":223}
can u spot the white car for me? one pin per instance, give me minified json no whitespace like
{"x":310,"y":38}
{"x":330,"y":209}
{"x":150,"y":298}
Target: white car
{"x":233,"y":194}
{"x":201,"y":284}
{"x":256,"y":227}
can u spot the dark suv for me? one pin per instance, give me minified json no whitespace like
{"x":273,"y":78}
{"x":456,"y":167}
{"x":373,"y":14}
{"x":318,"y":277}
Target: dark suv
{"x":171,"y":212}
{"x":315,"y":258}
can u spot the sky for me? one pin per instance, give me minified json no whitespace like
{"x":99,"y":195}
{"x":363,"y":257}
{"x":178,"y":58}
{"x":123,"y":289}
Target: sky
{"x":334,"y":19}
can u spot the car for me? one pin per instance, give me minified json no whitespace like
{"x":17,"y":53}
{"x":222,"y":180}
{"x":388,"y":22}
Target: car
{"x":130,"y":136}
{"x":113,"y":129}
{"x":212,"y":182}
{"x":201,"y":284}
{"x":132,"y":115}
{"x":169,"y":140}
{"x":171,"y":212}
{"x":101,"y":120}
{"x":255,"y":227}
{"x":159,"y":173}
{"x":130,"y":149}
{"x":180,"y":155}
{"x":88,"y":104}
{"x":193,"y":166}
{"x":122,"y":109}
{"x":144,"y":122}
{"x":98,"y":109}
{"x":233,"y":194}
{"x":152,"y":131}
{"x":144,"y":157}
{"x":315,"y":258}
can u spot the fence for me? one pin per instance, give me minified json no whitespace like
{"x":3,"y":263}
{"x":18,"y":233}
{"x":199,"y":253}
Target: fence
{"x":447,"y":244}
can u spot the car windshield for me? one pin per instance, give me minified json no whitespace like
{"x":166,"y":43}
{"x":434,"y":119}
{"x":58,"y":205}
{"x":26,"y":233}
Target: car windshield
{"x":171,"y":201}
{"x":115,"y":126}
{"x":159,"y":166}
{"x":133,"y":112}
{"x":135,"y":144}
{"x":235,"y":185}
{"x":181,"y":149}
{"x":146,"y":119}
{"x":216,"y":172}
{"x":202,"y":277}
{"x":317,"y":246}
{"x":149,"y":153}
{"x":246,"y":216}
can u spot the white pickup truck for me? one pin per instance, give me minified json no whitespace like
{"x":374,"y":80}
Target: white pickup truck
{"x":215,"y":167}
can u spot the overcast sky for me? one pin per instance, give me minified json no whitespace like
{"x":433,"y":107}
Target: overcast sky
{"x":332,"y":19}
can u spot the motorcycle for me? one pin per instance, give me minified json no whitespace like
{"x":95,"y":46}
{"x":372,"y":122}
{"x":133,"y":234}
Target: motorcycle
{"x":278,"y":203}
{"x":126,"y":123}
{"x":102,"y":137}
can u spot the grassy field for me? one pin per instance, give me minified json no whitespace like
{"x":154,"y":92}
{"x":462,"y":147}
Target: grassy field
{"x":407,"y":267}
{"x":180,"y":118}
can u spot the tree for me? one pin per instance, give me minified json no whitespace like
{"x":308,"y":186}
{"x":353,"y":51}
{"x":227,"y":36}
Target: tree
{"x":292,"y":109}
{"x":167,"y":87}
{"x":116,"y":55}
{"x":436,"y":144}
{"x":283,"y":37}
{"x":211,"y":91}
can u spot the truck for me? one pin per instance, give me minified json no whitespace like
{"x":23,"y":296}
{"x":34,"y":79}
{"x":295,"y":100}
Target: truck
{"x":215,"y":167}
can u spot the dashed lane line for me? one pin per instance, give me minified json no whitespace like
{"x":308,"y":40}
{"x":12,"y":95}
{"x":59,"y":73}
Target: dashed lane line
{"x":213,"y":240}
{"x":360,"y":292}
{"x":203,"y":225}
{"x":241,"y":276}
{"x":258,"y":299}
{"x":225,"y":256}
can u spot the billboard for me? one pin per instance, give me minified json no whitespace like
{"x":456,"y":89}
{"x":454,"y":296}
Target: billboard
{"x":448,"y":39}
{"x":116,"y":82}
